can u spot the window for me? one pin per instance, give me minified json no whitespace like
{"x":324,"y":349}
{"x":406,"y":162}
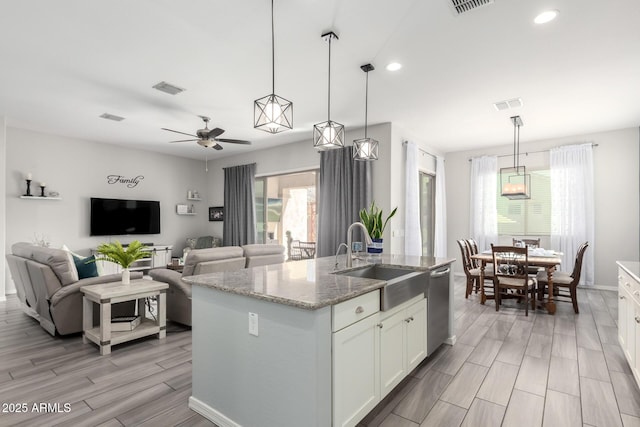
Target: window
{"x":527,"y":217}
{"x":286,"y":207}
{"x":427,"y":212}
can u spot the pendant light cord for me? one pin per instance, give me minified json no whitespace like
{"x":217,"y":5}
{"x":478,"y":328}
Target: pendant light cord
{"x":366,"y":105}
{"x":329,"y":85}
{"x":515,"y":162}
{"x":273,"y":54}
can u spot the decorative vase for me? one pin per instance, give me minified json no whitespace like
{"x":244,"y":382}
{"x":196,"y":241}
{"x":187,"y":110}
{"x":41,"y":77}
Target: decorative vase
{"x":375,"y":247}
{"x":126,"y":277}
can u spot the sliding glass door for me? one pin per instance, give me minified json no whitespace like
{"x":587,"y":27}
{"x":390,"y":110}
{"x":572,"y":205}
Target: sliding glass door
{"x":427,"y":212}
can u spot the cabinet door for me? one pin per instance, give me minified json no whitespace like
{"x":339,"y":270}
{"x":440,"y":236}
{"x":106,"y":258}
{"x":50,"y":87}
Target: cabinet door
{"x":630,"y":329}
{"x":393,"y":366}
{"x":416,"y":325}
{"x":623,"y":302}
{"x":161,"y":257}
{"x":356,"y":371}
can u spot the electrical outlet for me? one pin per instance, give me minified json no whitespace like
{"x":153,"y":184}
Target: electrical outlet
{"x":253,"y":324}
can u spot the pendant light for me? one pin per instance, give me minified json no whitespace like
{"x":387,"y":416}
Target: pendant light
{"x":365,"y":148}
{"x":515,"y":182}
{"x":329,"y":134}
{"x":273,"y":113}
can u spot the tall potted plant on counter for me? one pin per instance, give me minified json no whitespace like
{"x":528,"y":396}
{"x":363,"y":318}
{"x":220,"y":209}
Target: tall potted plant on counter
{"x":124,"y":257}
{"x":372,"y":220}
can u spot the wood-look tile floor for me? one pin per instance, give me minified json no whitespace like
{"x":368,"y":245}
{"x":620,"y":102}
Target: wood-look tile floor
{"x":505,"y":370}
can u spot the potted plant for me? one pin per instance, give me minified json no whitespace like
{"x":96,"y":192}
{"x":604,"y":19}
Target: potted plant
{"x":124,"y":257}
{"x":372,"y":220}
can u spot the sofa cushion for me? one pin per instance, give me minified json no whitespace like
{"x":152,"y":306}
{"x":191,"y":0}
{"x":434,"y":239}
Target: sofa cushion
{"x":86,"y":266}
{"x":197,"y":256}
{"x":61,"y":262}
{"x":262,"y":249}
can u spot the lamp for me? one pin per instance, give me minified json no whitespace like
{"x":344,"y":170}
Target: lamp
{"x":515,"y":181}
{"x":365,"y":148}
{"x":273,"y":113}
{"x":329,"y":134}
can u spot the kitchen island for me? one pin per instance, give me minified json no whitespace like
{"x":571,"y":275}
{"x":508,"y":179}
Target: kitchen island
{"x":297,"y":344}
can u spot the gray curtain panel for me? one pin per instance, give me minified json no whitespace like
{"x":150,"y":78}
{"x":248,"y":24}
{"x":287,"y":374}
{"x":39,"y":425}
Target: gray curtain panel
{"x":239,"y":205}
{"x":345,"y":189}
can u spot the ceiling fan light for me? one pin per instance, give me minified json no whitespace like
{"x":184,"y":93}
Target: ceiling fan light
{"x":365,"y":149}
{"x":273,"y":114}
{"x":328,"y":135}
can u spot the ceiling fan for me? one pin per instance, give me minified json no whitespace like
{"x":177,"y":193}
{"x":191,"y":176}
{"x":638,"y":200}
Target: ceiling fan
{"x":208,"y":137}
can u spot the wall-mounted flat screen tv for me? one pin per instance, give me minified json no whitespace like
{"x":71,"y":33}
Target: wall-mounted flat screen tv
{"x":112,"y":217}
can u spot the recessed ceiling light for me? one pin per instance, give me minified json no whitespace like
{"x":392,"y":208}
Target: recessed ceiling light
{"x":546,"y":16}
{"x":111,"y":117}
{"x":168,"y":88}
{"x":394,"y":66}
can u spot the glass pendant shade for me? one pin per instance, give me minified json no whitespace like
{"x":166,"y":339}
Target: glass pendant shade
{"x":365,"y":149}
{"x":328,"y":135}
{"x":515,"y":183}
{"x":273,"y":114}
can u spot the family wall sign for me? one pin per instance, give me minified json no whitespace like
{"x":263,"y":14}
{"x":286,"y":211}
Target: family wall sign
{"x":129,"y":182}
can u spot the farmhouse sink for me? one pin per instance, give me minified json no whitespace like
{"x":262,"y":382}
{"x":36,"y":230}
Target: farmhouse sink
{"x":401,"y":284}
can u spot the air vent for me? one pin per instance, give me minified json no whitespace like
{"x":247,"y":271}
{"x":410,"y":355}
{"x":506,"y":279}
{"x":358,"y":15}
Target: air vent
{"x":508,"y":104}
{"x":168,"y":88}
{"x":111,"y":117}
{"x":462,"y":6}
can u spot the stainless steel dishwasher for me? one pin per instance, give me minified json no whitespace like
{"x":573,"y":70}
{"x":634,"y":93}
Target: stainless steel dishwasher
{"x":437,"y":294}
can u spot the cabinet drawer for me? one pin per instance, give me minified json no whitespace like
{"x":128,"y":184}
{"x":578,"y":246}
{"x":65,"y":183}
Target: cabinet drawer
{"x":626,"y":282}
{"x":349,"y":312}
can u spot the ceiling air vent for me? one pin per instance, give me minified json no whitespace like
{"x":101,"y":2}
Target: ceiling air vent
{"x":462,"y":6}
{"x":508,"y":104}
{"x":111,"y":117}
{"x":168,"y":88}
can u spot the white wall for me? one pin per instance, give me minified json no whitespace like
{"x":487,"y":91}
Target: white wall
{"x":78,"y":170}
{"x":616,"y":163}
{"x":3,"y":215}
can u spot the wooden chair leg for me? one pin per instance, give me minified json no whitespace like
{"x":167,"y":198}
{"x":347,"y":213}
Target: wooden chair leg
{"x":574,"y":299}
{"x":526,"y":302}
{"x":533,"y":299}
{"x":497,"y":297}
{"x":469,"y":287}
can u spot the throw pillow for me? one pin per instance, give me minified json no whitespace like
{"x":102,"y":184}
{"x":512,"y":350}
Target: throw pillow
{"x":86,"y":267}
{"x":75,"y":255}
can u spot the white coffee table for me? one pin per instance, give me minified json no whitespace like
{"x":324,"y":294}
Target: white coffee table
{"x":111,"y":293}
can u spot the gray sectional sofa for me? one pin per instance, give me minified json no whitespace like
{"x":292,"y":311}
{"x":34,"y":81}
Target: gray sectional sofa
{"x":202,"y":261}
{"x":48,"y":287}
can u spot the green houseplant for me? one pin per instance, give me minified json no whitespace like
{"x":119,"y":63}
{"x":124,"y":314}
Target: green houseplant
{"x":124,"y":257}
{"x":372,"y":220}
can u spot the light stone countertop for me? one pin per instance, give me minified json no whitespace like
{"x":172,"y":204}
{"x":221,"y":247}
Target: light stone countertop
{"x":631,"y":267}
{"x":309,"y":284}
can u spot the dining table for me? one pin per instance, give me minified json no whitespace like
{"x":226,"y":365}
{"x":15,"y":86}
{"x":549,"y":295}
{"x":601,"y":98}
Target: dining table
{"x":546,"y":259}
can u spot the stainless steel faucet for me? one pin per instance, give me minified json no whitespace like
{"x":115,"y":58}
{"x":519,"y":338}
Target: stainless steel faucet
{"x":349,"y":236}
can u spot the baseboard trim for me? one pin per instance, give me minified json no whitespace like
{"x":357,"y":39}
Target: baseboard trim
{"x":211,"y":414}
{"x":451,"y":340}
{"x":600,"y":288}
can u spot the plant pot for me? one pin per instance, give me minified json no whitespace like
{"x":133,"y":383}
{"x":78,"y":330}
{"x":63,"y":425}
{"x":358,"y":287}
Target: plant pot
{"x":126,"y":277}
{"x":375,"y":247}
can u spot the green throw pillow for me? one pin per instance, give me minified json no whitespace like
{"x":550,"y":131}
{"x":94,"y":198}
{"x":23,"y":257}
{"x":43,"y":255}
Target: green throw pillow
{"x":86,"y":267}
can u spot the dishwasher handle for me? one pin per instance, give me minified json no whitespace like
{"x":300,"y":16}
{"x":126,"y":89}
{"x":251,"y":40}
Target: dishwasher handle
{"x":441,"y":273}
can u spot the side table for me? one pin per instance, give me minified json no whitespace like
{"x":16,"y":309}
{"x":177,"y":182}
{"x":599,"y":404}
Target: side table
{"x":111,"y":293}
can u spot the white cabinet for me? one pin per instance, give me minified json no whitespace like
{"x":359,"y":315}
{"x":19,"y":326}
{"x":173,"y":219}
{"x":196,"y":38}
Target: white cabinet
{"x":403,"y":342}
{"x":373,"y":354}
{"x":629,"y":319}
{"x":159,"y":256}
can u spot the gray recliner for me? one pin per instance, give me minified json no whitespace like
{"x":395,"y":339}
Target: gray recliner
{"x":198,"y":261}
{"x":266,"y":254}
{"x":48,"y":287}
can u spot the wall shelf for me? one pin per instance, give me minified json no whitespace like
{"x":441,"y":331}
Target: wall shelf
{"x":40,"y":198}
{"x":197,"y":199}
{"x":187,"y":213}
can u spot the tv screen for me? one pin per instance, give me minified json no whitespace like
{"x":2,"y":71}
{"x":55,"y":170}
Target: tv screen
{"x":111,"y":217}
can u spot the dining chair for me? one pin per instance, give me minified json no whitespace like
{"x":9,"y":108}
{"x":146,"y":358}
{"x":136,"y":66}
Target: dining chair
{"x":472,"y":273}
{"x":511,"y":271}
{"x":529,"y":243}
{"x":564,"y":284}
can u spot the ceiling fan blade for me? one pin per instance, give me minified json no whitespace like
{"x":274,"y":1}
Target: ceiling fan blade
{"x":217,"y":147}
{"x":183,"y":140}
{"x":234,"y":141}
{"x":188,"y":134}
{"x":215,"y":132}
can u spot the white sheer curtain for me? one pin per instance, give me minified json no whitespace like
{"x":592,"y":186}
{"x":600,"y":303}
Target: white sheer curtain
{"x":412,"y":237}
{"x":440,"y":243}
{"x":572,"y":221}
{"x":483,"y":209}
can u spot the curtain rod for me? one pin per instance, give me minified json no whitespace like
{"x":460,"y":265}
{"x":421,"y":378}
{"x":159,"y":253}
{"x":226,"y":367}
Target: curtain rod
{"x":423,"y":151}
{"x":539,"y":151}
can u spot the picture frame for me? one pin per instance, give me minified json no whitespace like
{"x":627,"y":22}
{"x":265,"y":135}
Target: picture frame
{"x":216,"y":213}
